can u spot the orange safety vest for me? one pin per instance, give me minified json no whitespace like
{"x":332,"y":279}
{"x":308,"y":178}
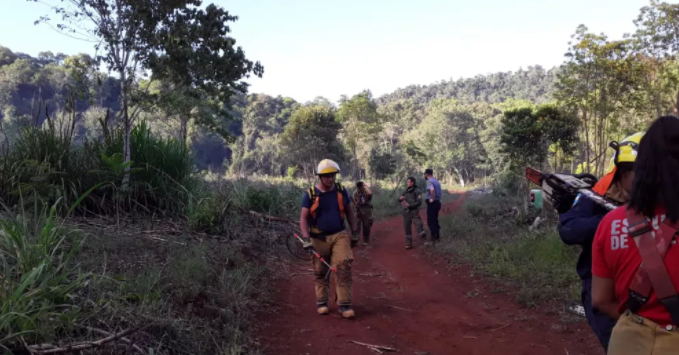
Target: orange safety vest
{"x":315,"y":200}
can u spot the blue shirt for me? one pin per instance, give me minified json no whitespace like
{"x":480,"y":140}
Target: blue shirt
{"x":328,"y":217}
{"x":578,"y":227}
{"x":437,"y":188}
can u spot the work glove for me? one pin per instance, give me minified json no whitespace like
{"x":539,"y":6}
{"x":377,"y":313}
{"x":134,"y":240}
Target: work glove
{"x":562,"y":202}
{"x":354,"y":238}
{"x":306,"y":245}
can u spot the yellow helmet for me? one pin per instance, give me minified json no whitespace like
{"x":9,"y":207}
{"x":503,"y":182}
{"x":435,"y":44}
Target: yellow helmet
{"x":327,"y":166}
{"x":626,"y":151}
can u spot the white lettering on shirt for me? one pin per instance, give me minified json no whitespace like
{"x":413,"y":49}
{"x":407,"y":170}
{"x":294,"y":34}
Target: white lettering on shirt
{"x":619,"y":236}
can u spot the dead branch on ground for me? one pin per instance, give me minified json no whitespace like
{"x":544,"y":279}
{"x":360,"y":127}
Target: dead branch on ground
{"x":376,"y":348}
{"x":77,"y":347}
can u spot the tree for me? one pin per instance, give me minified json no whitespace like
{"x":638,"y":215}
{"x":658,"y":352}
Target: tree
{"x":449,"y":138}
{"x":174,"y":38}
{"x":599,"y":81}
{"x":311,"y":136}
{"x":656,"y":42}
{"x":359,"y":119}
{"x":527,"y":134}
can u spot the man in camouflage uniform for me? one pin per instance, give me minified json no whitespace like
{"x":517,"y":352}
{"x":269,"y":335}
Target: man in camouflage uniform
{"x":364,"y":210}
{"x":411,"y":200}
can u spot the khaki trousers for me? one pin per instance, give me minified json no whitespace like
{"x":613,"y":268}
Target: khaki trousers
{"x":336,"y":250}
{"x":634,"y":335}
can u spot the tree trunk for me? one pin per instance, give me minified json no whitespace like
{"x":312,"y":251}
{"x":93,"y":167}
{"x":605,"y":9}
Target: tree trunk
{"x":585,"y":126}
{"x":184,"y":129}
{"x":127,"y":127}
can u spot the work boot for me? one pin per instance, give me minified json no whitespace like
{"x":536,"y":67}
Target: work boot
{"x":346,"y":311}
{"x":323,"y":309}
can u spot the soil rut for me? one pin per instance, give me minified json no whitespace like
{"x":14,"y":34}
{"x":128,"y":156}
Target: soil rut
{"x":406,"y":300}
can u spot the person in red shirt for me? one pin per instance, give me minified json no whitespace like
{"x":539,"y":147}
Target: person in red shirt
{"x":647,"y":327}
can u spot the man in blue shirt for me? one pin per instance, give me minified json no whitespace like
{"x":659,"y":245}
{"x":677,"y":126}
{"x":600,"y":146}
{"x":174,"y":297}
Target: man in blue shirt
{"x":324,"y":208}
{"x":433,"y":205}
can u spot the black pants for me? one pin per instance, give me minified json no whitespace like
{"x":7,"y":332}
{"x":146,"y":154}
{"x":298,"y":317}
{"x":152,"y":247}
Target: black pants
{"x":433,"y":219}
{"x":601,"y":324}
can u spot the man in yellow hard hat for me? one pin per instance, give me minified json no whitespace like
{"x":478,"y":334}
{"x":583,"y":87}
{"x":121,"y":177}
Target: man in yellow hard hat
{"x":324,"y":208}
{"x":578,"y":223}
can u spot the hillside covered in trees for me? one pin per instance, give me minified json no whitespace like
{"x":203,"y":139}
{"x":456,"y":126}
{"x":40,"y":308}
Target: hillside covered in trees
{"x":603,"y":91}
{"x":258,"y":121}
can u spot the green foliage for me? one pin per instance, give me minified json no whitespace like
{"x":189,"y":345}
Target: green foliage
{"x":39,"y":276}
{"x":359,"y":119}
{"x":528,"y":133}
{"x":381,"y":164}
{"x":449,"y":141}
{"x":44,"y":163}
{"x":311,"y":136}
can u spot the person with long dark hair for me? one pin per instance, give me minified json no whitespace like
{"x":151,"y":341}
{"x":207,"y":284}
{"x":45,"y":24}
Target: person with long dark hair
{"x":635,"y":261}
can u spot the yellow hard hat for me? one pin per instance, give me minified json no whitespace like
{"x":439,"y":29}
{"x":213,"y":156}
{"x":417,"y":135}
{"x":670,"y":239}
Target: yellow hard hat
{"x":327,"y":166}
{"x":626,"y":151}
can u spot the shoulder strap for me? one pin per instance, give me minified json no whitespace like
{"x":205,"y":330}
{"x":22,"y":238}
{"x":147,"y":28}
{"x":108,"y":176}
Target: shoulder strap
{"x":340,"y":199}
{"x":314,"y":201}
{"x":652,"y":273}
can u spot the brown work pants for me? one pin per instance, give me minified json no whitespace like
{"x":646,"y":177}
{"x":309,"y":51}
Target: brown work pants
{"x":411,"y":217}
{"x":336,"y":250}
{"x":364,"y":216}
{"x":634,"y":335}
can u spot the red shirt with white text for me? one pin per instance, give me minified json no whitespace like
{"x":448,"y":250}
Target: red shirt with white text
{"x":615,"y":256}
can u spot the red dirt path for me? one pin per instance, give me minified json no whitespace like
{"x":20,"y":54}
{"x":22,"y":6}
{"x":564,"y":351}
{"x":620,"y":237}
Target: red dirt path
{"x":440,"y":310}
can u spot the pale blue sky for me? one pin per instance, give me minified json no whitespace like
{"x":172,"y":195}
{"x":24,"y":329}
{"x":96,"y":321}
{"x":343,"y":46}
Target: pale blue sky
{"x":329,"y":48}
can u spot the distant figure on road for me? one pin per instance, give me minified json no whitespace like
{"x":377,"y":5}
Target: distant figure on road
{"x":411,"y":200}
{"x":321,"y":222}
{"x":433,"y":205}
{"x":635,"y":259}
{"x":364,"y":210}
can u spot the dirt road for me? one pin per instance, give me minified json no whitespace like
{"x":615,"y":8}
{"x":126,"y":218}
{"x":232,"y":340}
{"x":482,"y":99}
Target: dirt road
{"x":405,"y":300}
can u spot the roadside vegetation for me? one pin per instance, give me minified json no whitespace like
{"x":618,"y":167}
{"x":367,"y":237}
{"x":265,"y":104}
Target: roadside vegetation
{"x":492,"y":233}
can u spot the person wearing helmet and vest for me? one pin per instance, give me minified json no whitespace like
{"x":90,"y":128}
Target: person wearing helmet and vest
{"x":579,"y":220}
{"x":324,"y":208}
{"x":364,"y":210}
{"x":635,"y":257}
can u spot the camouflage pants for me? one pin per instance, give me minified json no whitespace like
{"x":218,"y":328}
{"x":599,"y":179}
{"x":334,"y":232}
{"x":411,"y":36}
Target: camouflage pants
{"x":364,"y":216}
{"x":336,"y":250}
{"x":411,"y":217}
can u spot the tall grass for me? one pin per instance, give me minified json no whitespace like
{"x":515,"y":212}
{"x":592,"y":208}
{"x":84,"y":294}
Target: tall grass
{"x":45,"y":161}
{"x":38,"y":276}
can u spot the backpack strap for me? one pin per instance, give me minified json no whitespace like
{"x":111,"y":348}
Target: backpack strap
{"x":314,"y":201}
{"x":313,"y":197}
{"x":340,"y":199}
{"x":652,"y":273}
